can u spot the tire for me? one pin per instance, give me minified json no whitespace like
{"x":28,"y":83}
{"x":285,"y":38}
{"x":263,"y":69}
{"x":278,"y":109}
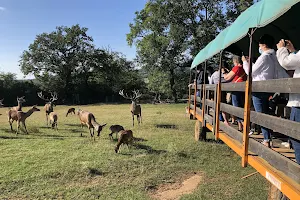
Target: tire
{"x":200,"y":131}
{"x":275,"y":194}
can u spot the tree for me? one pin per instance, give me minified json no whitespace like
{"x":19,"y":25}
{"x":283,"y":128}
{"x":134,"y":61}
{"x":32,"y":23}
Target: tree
{"x":167,"y":33}
{"x":57,"y":54}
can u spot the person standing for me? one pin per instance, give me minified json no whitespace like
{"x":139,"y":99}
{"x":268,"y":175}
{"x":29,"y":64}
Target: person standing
{"x":236,"y":75}
{"x":289,"y":59}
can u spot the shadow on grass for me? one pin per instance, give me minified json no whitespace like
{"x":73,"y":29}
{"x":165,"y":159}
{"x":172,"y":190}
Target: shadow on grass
{"x":166,"y":126}
{"x":149,"y":149}
{"x":73,"y":125}
{"x":134,"y":139}
{"x":95,"y":172}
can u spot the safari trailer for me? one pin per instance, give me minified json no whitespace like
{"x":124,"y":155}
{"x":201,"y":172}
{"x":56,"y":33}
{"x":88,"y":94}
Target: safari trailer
{"x":277,"y":164}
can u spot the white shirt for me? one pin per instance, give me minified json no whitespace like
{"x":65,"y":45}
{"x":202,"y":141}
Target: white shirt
{"x":290,"y":62}
{"x":264,"y":68}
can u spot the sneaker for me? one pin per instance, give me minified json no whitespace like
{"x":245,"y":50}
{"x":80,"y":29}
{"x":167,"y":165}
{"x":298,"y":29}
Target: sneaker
{"x":266,"y":143}
{"x":251,"y":132}
{"x":285,"y":144}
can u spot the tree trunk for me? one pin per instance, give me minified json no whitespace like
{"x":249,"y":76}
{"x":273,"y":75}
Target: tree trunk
{"x":172,"y":84}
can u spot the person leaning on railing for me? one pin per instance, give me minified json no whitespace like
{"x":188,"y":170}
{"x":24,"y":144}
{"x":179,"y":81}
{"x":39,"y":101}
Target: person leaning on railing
{"x":264,"y":69}
{"x":236,"y":75}
{"x":289,"y":59}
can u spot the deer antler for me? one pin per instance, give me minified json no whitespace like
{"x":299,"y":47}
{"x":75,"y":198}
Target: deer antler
{"x":40,"y":94}
{"x":22,"y":99}
{"x":121,"y":92}
{"x":136,"y":94}
{"x":54,"y":97}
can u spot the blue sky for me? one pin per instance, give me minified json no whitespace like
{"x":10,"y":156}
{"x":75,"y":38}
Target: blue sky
{"x":21,"y":20}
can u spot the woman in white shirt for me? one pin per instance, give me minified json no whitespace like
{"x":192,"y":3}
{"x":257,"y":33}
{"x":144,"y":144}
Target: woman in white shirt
{"x":263,"y":69}
{"x":289,"y":59}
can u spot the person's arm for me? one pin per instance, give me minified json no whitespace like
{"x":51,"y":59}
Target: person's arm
{"x":229,"y":76}
{"x":255,"y":67}
{"x":286,"y":60}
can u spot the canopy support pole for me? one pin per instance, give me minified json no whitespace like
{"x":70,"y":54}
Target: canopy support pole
{"x":217,"y":110}
{"x":248,"y":91}
{"x":189,"y":98}
{"x":195,"y":95}
{"x":203,"y":132}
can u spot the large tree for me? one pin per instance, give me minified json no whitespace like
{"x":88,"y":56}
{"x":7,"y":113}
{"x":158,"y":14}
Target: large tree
{"x":168,"y":33}
{"x":53,"y":58}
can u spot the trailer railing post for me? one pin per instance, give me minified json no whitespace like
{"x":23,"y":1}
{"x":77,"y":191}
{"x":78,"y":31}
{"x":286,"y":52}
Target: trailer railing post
{"x":218,"y":103}
{"x":248,"y":91}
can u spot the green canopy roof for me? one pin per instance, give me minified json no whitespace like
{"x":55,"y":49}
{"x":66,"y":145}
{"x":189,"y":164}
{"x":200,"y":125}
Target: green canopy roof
{"x":260,"y":15}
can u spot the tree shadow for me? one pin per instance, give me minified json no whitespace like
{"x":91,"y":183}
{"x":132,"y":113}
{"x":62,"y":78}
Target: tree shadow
{"x":166,"y":126}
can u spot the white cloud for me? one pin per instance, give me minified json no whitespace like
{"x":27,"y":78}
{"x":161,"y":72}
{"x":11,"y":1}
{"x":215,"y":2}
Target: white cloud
{"x":2,"y":8}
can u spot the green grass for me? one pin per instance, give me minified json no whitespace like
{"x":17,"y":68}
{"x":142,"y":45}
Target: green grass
{"x":47,"y":164}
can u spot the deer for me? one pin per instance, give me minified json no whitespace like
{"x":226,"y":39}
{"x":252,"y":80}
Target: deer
{"x":20,"y":101}
{"x":71,"y":110}
{"x":49,"y":103}
{"x":53,"y":120}
{"x":20,"y":117}
{"x":135,"y":108}
{"x":126,"y":137}
{"x":115,"y":129}
{"x":88,"y":119}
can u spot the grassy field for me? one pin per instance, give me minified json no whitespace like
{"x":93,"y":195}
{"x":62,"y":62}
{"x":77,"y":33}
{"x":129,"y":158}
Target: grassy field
{"x":48,"y":164}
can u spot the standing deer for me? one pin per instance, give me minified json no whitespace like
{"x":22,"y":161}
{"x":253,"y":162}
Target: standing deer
{"x":20,"y":117}
{"x":135,"y":108}
{"x":53,"y":120}
{"x":88,"y":119}
{"x":20,"y":101}
{"x":115,"y":129}
{"x":49,"y":104}
{"x":126,"y":137}
{"x":71,"y":110}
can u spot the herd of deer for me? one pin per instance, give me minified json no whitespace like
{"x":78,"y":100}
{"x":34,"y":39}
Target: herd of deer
{"x":86,"y":118}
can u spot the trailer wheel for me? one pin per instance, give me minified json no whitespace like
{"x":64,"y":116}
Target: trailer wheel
{"x":275,"y":194}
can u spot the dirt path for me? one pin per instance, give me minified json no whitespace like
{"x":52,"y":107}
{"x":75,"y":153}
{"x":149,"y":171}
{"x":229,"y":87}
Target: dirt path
{"x":176,"y":190}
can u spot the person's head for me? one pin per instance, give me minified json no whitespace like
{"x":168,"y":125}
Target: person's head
{"x":199,"y":68}
{"x":237,"y":60}
{"x":266,"y":42}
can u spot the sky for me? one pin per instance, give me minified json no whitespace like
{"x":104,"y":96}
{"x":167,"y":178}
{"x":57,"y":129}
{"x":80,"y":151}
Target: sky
{"x":21,"y":20}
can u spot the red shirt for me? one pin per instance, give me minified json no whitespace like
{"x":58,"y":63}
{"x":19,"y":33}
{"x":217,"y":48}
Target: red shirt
{"x":240,"y":74}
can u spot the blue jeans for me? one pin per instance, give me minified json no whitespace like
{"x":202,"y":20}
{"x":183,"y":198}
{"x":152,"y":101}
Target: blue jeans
{"x":237,"y":101}
{"x":261,"y":105}
{"x":295,"y":116}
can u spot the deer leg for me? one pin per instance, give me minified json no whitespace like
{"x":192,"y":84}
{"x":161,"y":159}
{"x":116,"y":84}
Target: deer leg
{"x":10,"y":123}
{"x":18,"y":126}
{"x":25,"y":127}
{"x":132,"y":119}
{"x":46,"y":119}
{"x":110,"y":136}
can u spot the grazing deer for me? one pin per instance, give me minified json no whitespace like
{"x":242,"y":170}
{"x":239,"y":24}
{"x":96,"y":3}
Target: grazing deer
{"x":88,"y":119}
{"x":71,"y":110}
{"x":135,"y":108}
{"x":20,"y":117}
{"x":53,"y":120}
{"x":115,"y":129}
{"x":126,"y":137}
{"x":49,"y":104}
{"x":20,"y":101}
